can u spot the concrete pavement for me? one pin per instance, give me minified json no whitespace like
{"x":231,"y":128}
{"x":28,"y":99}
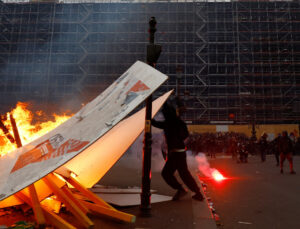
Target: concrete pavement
{"x":186,"y":213}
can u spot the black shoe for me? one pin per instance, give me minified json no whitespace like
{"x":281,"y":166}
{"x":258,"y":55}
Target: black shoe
{"x":179,"y":194}
{"x":293,"y":172}
{"x":198,"y":196}
{"x":281,"y":171}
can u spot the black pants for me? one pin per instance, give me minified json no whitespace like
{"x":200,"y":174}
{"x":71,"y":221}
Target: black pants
{"x":177,"y":161}
{"x":277,"y":157}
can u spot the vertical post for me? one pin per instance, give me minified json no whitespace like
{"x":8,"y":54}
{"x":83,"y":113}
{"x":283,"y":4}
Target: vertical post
{"x":179,"y":103}
{"x":6,"y":132}
{"x":253,"y":137}
{"x":15,"y":130}
{"x":146,"y":176}
{"x":178,"y":78}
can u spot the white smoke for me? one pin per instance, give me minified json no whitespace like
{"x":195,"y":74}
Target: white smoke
{"x":133,"y":158}
{"x":204,"y":166}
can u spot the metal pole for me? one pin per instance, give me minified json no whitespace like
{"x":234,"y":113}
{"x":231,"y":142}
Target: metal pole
{"x":147,"y":150}
{"x":253,"y":131}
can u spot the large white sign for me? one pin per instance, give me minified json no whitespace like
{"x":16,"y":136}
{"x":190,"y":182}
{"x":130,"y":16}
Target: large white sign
{"x":30,"y":163}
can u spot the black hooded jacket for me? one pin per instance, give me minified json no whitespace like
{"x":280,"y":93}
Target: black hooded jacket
{"x":175,"y":129}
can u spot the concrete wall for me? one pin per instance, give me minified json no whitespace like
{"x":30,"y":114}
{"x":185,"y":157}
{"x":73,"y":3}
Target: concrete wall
{"x":271,"y":130}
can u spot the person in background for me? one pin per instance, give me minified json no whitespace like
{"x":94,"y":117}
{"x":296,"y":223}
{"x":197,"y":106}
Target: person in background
{"x":263,"y":146}
{"x":292,"y":137}
{"x":275,"y":148}
{"x":286,"y":151}
{"x":175,"y":131}
{"x":232,"y":149}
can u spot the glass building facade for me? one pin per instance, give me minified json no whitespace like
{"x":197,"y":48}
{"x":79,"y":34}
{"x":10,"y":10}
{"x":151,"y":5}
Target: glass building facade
{"x":234,"y":61}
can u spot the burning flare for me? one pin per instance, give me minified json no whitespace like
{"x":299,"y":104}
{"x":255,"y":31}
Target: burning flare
{"x":217,"y":175}
{"x":205,"y":168}
{"x":28,"y":130}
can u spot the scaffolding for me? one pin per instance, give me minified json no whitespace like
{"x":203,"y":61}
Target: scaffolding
{"x":238,"y":60}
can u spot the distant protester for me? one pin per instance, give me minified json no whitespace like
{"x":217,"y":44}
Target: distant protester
{"x":263,"y":146}
{"x":275,"y":144}
{"x":286,"y":151}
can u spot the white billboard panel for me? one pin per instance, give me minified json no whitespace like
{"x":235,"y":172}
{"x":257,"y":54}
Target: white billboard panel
{"x":33,"y":161}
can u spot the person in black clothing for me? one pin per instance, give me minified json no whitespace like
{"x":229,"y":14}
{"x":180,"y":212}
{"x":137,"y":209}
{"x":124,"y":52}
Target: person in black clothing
{"x":275,"y":148}
{"x":263,"y":146}
{"x":243,"y":151}
{"x":286,"y":151}
{"x":175,"y":131}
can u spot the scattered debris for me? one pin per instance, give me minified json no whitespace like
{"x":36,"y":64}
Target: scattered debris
{"x":115,"y":190}
{"x":244,"y":222}
{"x":213,"y":210}
{"x":22,"y":225}
{"x":123,"y":200}
{"x":217,"y":217}
{"x":122,"y":197}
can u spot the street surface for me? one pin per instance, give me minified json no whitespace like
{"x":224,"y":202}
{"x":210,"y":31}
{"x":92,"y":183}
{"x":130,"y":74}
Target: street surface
{"x":256,"y":195}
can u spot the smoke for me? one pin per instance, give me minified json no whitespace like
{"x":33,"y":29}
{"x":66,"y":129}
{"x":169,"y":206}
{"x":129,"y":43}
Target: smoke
{"x":204,"y":167}
{"x":133,"y":158}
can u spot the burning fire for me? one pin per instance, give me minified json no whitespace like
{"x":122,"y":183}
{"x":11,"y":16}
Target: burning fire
{"x":28,"y":130}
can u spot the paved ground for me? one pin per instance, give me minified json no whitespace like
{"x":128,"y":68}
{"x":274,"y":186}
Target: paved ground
{"x":256,"y":195}
{"x":186,"y":213}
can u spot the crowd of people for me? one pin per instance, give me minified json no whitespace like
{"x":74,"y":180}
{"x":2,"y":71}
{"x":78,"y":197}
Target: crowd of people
{"x":284,"y":146}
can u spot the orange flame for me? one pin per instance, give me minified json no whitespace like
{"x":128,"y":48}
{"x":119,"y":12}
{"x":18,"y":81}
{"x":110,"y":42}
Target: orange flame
{"x":28,"y":130}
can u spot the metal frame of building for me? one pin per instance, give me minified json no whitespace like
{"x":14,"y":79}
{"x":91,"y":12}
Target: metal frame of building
{"x":239,"y":61}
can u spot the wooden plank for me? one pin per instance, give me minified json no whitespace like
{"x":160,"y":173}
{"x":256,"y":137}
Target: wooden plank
{"x":100,"y":205}
{"x":51,"y":217}
{"x":51,"y":204}
{"x":68,"y":192}
{"x":110,"y":212}
{"x":57,"y":221}
{"x":36,"y":206}
{"x":71,"y":205}
{"x":91,"y":196}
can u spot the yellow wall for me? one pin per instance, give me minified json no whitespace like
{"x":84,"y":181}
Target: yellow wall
{"x":246,"y":129}
{"x":202,"y":128}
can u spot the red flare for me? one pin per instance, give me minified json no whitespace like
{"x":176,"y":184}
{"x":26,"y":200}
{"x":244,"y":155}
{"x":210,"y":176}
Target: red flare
{"x":217,"y":176}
